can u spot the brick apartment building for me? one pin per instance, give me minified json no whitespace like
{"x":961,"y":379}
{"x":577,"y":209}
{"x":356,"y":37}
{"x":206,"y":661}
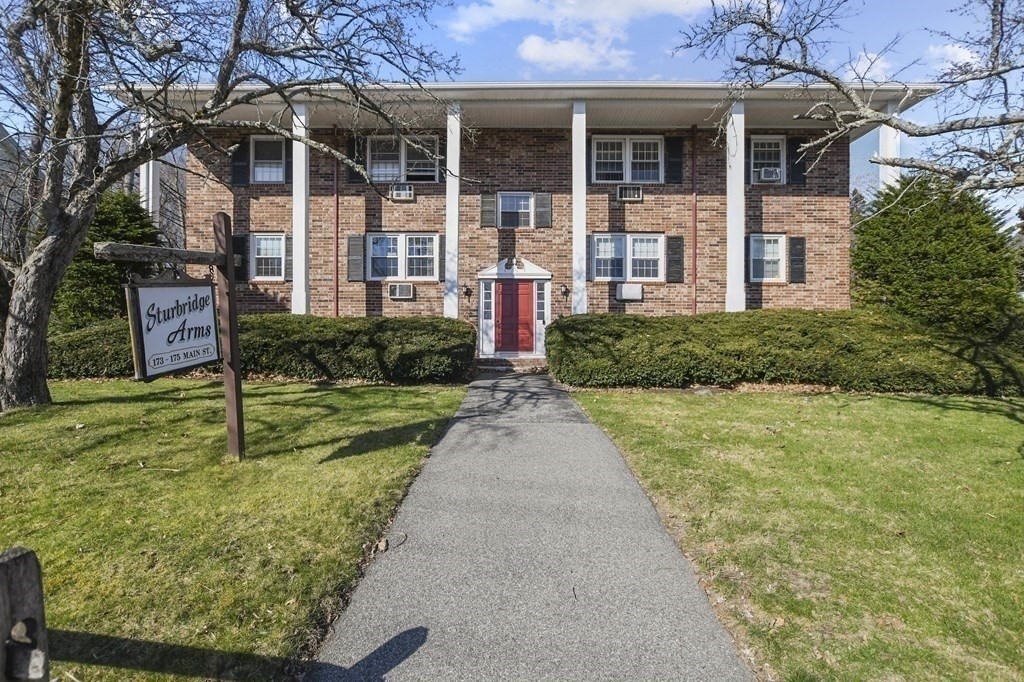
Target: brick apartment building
{"x":515,"y":204}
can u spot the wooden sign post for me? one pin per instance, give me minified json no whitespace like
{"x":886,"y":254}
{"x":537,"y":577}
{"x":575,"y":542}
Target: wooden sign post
{"x":185,"y":341}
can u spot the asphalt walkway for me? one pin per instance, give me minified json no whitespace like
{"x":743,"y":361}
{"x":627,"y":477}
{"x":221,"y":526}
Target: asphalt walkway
{"x":530,"y":553}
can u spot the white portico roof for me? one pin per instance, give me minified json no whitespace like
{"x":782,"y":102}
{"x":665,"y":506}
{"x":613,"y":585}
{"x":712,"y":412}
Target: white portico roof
{"x":610,"y":104}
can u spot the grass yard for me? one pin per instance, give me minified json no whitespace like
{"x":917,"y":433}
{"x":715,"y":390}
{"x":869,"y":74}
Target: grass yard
{"x":844,"y":536}
{"x":159,"y":560}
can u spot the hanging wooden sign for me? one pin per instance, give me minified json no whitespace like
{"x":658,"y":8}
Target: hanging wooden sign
{"x":173,"y":323}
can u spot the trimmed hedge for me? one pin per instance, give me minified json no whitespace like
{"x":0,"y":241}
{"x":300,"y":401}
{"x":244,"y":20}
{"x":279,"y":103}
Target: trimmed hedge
{"x":376,"y":349}
{"x":859,"y":350}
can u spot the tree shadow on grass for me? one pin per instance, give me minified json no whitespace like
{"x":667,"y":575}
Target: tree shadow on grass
{"x":172,"y":659}
{"x":426,"y":432}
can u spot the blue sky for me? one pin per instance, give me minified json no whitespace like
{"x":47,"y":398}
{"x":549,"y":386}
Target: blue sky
{"x":544,"y":40}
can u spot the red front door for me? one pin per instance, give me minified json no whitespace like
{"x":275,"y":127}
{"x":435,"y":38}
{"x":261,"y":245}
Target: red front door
{"x":514,"y":316}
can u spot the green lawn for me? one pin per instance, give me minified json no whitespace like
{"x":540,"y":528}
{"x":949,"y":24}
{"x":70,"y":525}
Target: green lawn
{"x":159,"y":559}
{"x":844,"y":536}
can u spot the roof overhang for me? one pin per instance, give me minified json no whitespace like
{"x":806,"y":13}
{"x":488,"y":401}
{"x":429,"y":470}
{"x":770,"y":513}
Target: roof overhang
{"x":610,"y":105}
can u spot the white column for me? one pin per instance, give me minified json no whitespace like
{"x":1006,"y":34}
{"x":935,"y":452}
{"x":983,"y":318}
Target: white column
{"x":735,"y":210}
{"x":149,"y":189}
{"x":300,"y":212}
{"x":579,"y":208}
{"x":888,"y":148}
{"x":451,"y":212}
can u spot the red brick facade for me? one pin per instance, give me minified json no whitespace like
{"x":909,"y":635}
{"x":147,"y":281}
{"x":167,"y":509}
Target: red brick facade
{"x":539,"y":161}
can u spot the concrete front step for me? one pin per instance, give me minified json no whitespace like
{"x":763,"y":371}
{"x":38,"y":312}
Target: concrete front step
{"x":511,"y":364}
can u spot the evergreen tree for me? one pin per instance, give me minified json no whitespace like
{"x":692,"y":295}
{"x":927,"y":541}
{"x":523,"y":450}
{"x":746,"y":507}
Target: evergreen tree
{"x":92,"y":289}
{"x":937,"y":255}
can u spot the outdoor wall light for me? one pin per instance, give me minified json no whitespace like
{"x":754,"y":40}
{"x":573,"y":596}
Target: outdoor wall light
{"x":564,"y":290}
{"x":467,"y":291}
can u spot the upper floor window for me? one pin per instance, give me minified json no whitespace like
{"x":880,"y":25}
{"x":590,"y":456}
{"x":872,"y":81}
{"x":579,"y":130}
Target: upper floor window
{"x":267,"y":257}
{"x":267,"y":161}
{"x":515,"y":209}
{"x":628,"y":159}
{"x":403,"y":256}
{"x":768,"y":159}
{"x":767,"y":258}
{"x":638,"y":257}
{"x":390,"y":159}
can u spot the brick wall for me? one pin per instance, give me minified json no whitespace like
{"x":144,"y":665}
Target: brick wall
{"x":534,"y":160}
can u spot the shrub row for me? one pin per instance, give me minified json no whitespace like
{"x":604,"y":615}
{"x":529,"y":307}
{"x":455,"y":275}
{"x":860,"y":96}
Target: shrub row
{"x":377,"y":349}
{"x":860,"y":350}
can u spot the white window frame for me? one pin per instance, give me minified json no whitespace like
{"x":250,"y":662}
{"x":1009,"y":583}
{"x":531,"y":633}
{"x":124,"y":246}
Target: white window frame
{"x":783,"y":258}
{"x":627,"y":250}
{"x":533,"y":210}
{"x":754,"y":177}
{"x":403,"y":257}
{"x":252,"y":159}
{"x":403,"y":169}
{"x":253,"y":236}
{"x":627,"y":158}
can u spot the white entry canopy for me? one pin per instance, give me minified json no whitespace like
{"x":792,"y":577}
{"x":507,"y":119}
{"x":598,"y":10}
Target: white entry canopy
{"x":514,"y":268}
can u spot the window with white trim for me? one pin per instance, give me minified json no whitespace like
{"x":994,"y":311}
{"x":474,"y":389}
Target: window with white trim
{"x":768,"y":152}
{"x":629,"y":257}
{"x":390,"y":159}
{"x":402,"y":256}
{"x":767,"y":258}
{"x":542,"y":303}
{"x":267,"y":159}
{"x":487,"y":300}
{"x":266,"y":257}
{"x":628,"y":159}
{"x":515,"y":209}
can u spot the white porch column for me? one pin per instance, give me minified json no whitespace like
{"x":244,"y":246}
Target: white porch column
{"x":149,"y":189}
{"x":735,"y":210}
{"x":451,"y":212}
{"x":579,"y":208}
{"x":300,"y":212}
{"x":888,"y":148}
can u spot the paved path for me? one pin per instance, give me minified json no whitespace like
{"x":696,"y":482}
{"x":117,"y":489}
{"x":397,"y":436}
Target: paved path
{"x":532,"y":554}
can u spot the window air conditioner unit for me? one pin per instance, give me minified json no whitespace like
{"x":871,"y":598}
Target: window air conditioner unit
{"x":400,"y":292}
{"x":631,"y":193}
{"x":630,"y":291}
{"x":402,"y":191}
{"x":771,"y":174}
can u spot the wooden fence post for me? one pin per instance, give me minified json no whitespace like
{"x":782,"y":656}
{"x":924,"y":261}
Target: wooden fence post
{"x":228,"y":321}
{"x":24,"y":653}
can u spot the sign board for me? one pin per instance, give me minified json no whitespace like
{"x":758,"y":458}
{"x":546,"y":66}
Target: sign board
{"x":173,"y":325}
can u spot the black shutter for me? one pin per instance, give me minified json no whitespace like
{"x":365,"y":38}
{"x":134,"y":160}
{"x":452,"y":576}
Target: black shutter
{"x":673,"y":161}
{"x":442,"y":159}
{"x":746,"y":160}
{"x":240,"y":164}
{"x":288,"y":146}
{"x":797,"y":247}
{"x":542,"y":209}
{"x":356,"y":263}
{"x":590,"y":258}
{"x":746,"y":259}
{"x":674,"y":259}
{"x":288,"y":258}
{"x":796,"y":168}
{"x":488,"y":210}
{"x":441,"y":257}
{"x":355,"y":149}
{"x":590,"y":161}
{"x":240,"y":245}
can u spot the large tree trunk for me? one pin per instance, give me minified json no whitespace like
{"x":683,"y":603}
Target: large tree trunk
{"x":23,"y":359}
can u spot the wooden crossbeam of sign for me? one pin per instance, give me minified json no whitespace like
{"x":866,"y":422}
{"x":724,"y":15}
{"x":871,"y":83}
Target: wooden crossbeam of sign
{"x":115,"y":251}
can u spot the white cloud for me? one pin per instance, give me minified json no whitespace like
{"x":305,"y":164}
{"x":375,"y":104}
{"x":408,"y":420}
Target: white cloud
{"x":945,"y":56}
{"x":574,"y":54}
{"x":587,"y":33}
{"x":869,"y":66}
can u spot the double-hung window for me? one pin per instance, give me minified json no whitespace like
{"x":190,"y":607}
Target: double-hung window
{"x":515,"y":209}
{"x":628,"y":159}
{"x":267,"y":257}
{"x":403,"y":256}
{"x":267,"y":159}
{"x":767,"y":258}
{"x":390,"y":159}
{"x":632,"y":257}
{"x":768,"y":159}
